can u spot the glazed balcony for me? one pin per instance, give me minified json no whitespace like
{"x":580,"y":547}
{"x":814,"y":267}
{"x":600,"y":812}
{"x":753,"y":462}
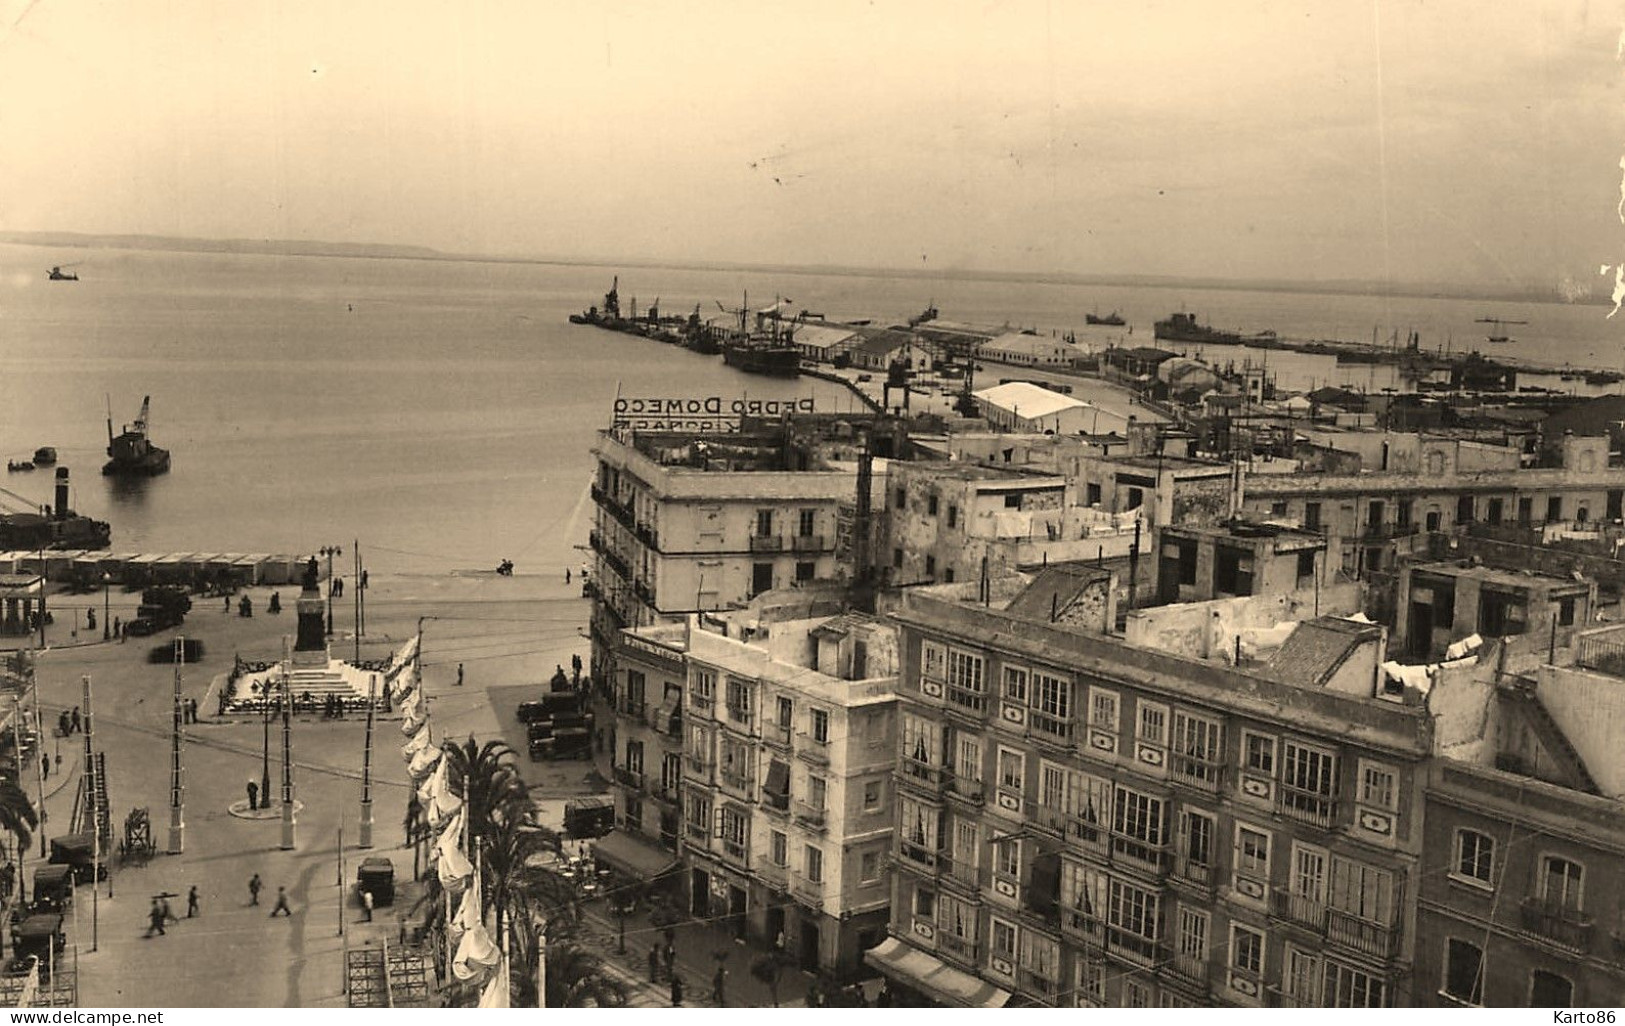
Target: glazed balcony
{"x":703,"y":704}
{"x":1083,"y":927}
{"x":807,"y":892}
{"x":968,"y":701}
{"x":1198,"y":873}
{"x":737,"y":852}
{"x":1044,"y":728}
{"x":1138,"y":854}
{"x":1134,"y":947}
{"x":964,"y":788}
{"x":1566,"y":927}
{"x":646,"y":534}
{"x":739,"y":717}
{"x":919,"y":856}
{"x":699,"y":765}
{"x":964,"y":872}
{"x":1309,"y":807}
{"x":629,"y":778}
{"x":1201,"y":774}
{"x":962,"y":949}
{"x":1191,"y":969}
{"x":924,"y":775}
{"x":739,"y":783}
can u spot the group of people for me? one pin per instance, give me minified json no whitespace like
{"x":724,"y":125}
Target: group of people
{"x":69,"y":722}
{"x":188,"y":710}
{"x":161,"y":914}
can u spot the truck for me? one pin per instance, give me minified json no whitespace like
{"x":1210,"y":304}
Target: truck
{"x":162,"y":607}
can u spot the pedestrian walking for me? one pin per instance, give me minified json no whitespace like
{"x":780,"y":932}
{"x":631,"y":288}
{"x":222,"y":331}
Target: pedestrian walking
{"x":254,"y":884}
{"x":717,"y":981}
{"x":676,"y":990}
{"x":45,"y":766}
{"x":191,"y":902}
{"x":363,"y":580}
{"x":59,"y":762}
{"x":155,"y":919}
{"x":281,"y":903}
{"x":169,"y":913}
{"x":654,"y":961}
{"x":116,"y":629}
{"x":566,"y":575}
{"x":671,"y":959}
{"x":254,"y":803}
{"x":366,"y":904}
{"x":228,"y":605}
{"x":64,"y":725}
{"x":459,"y":674}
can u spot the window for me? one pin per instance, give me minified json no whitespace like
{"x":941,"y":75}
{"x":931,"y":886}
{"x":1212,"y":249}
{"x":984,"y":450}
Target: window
{"x":1311,"y":516}
{"x":734,"y":831}
{"x":1347,"y":987}
{"x":817,"y":792}
{"x":1193,"y":931}
{"x":1089,"y":981}
{"x":953,"y":516}
{"x":964,"y":671}
{"x":1136,"y":994}
{"x":1554,"y":507}
{"x":957,"y":920}
{"x":930,"y":566}
{"x":1362,"y":891}
{"x":948,"y":575}
{"x":1565,"y":611}
{"x":1131,"y":912}
{"x":1103,"y":709}
{"x":1003,"y":940}
{"x":931,"y":505}
{"x":1464,"y":971}
{"x":1012,"y":770}
{"x":778,"y":848}
{"x":869,"y":866}
{"x":705,"y":686}
{"x":1308,"y":878}
{"x":1198,"y":748}
{"x":1306,"y":564}
{"x":1259,"y":753}
{"x":901,"y":499}
{"x":871,"y":795}
{"x":805,"y":571}
{"x":634,"y":756}
{"x":921,"y":740}
{"x":1052,"y":696}
{"x":739,"y":698}
{"x":764,"y":523}
{"x":1041,"y":957}
{"x":1196,"y":832}
{"x":1137,"y":820}
{"x":805,"y":527}
{"x":1007,"y":858}
{"x":815,"y":863}
{"x":1309,"y":779}
{"x":1015,"y":684}
{"x":1301,"y":975}
{"x":1475,"y":857}
{"x":635,"y":684}
{"x":820,"y":726}
{"x":925,"y":904}
{"x":1379,"y":787}
{"x":1464,"y":510}
{"x":786,"y":712}
{"x":933,"y":661}
{"x":1252,"y":853}
{"x":761,"y":578}
{"x":1560,"y":883}
{"x":968,"y":757}
{"x":1246,"y":950}
{"x":1549,"y":990}
{"x":967,"y":850}
{"x":1153,"y":728}
{"x":897,"y":559}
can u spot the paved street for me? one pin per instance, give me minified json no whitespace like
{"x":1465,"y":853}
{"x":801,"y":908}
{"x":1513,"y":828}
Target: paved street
{"x":505,"y":632}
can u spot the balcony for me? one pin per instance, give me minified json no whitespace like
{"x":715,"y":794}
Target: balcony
{"x":629,"y":778}
{"x":644,"y":592}
{"x":664,"y":792}
{"x":1566,"y":927}
{"x":1301,"y":910}
{"x":1198,"y":873}
{"x":925,"y":775}
{"x":1308,"y":807}
{"x":964,"y":872}
{"x":808,"y":892}
{"x":704,"y":704}
{"x":963,"y":949}
{"x":1136,"y":853}
{"x":1034,"y":983}
{"x":1045,"y":728}
{"x":1132,"y":946}
{"x":698,"y":765}
{"x":774,"y":876}
{"x":617,"y":564}
{"x":634,"y":708}
{"x":918,"y":855}
{"x":739,"y":716}
{"x":1191,"y":969}
{"x":1387,"y":532}
{"x":1200,"y":774}
{"x":807,"y":816}
{"x":739,"y":783}
{"x":967,"y":700}
{"x":665,"y":720}
{"x":807,"y":543}
{"x":812,"y":750}
{"x":699,"y":834}
{"x":964,"y":788}
{"x":1368,"y":937}
{"x":766,"y":543}
{"x":646,"y":534}
{"x":1082,"y":926}
{"x":737,"y":851}
{"x":775,"y":802}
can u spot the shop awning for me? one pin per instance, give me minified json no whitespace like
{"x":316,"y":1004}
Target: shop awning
{"x":931,"y":976}
{"x":778,"y":778}
{"x":636,"y":857}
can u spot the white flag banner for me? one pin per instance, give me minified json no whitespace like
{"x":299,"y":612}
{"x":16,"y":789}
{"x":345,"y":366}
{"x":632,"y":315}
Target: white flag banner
{"x":424,"y":762}
{"x":476,"y":955}
{"x":495,"y":994}
{"x":404,"y":683}
{"x":412,"y":708}
{"x":412,"y":726}
{"x":406,"y":654}
{"x":419,"y":742}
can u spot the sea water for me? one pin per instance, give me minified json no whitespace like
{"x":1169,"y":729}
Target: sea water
{"x":443,"y":412}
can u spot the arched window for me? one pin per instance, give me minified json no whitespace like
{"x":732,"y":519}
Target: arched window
{"x":1549,"y":990}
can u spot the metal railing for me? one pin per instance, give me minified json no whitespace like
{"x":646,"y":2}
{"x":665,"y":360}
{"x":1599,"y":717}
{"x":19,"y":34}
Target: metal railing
{"x":1569,"y":927}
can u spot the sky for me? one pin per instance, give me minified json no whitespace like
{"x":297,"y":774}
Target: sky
{"x":1406,"y":141}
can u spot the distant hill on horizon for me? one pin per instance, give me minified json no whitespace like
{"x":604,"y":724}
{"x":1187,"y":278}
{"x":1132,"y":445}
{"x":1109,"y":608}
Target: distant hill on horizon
{"x":1526,"y":293}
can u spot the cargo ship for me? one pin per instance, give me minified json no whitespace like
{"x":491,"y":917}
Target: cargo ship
{"x":1113,"y":319}
{"x":132,"y":453}
{"x":774,"y":357}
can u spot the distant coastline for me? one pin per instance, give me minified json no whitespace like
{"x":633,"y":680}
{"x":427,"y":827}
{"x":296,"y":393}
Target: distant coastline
{"x":384,"y":251}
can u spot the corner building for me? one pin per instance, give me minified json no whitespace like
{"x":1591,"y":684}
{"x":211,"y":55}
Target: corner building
{"x":1081,"y":822}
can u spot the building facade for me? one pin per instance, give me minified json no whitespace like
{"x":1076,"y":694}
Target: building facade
{"x":1082,"y":823}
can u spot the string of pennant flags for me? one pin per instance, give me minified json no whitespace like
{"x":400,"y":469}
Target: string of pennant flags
{"x":476,"y":959}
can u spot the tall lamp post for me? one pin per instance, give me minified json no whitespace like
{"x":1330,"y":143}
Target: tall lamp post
{"x":107,"y":625}
{"x":265,"y":758}
{"x":330,"y":551}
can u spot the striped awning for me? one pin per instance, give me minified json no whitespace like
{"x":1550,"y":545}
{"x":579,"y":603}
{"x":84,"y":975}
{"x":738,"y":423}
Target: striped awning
{"x":933,"y":977}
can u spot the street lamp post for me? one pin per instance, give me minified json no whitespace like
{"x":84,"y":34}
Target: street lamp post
{"x":265,"y":757}
{"x":330,"y":551}
{"x":107,"y":625}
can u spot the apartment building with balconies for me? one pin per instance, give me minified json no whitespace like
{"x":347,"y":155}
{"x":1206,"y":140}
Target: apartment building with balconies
{"x":687,"y":522}
{"x":789,"y":742}
{"x":1081,"y":823}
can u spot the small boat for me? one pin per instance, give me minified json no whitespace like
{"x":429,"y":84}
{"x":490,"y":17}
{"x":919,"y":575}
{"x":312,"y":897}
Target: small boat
{"x":1113,"y":319}
{"x":44,"y":456}
{"x":58,"y":274}
{"x":133,"y":454}
{"x":13,"y":466}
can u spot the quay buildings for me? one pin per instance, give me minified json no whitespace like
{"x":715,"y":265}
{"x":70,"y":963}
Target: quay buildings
{"x":1018,"y":783}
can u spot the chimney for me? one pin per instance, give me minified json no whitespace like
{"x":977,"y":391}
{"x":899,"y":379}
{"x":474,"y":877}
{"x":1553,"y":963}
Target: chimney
{"x":61,"y":492}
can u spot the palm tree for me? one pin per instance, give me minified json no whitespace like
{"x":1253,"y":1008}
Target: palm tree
{"x":18,"y":816}
{"x":488,"y":781}
{"x":576,"y":978}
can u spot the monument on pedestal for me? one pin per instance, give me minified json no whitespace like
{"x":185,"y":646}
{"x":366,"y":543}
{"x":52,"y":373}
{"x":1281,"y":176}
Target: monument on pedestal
{"x":310,"y":646}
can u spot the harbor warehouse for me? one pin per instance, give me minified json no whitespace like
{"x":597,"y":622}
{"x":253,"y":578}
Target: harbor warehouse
{"x":1021,"y":406}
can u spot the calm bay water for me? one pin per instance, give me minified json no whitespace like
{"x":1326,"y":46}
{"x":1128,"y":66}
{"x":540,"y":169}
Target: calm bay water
{"x":443,"y":412}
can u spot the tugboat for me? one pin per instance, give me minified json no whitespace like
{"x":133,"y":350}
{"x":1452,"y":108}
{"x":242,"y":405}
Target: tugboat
{"x":17,"y":466}
{"x":133,"y":455}
{"x":52,"y":527}
{"x":58,"y":274}
{"x":1113,"y":319}
{"x":44,"y":456}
